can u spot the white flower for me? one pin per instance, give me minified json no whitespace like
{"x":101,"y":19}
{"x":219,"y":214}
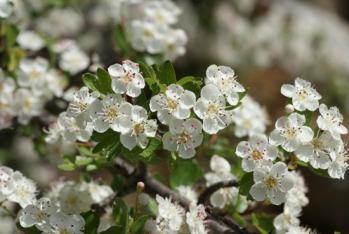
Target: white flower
{"x":331,"y":120}
{"x":271,"y":182}
{"x":284,"y":221}
{"x":30,"y":40}
{"x":221,"y":171}
{"x":99,"y":192}
{"x":255,"y":151}
{"x":195,"y":219}
{"x":6,"y":8}
{"x":126,"y":78}
{"x":32,"y":73}
{"x":73,"y":129}
{"x":224,"y":78}
{"x":37,"y":214}
{"x":147,"y":37}
{"x":7,"y":84}
{"x":7,"y":184}
{"x":161,"y":12}
{"x":27,"y":105}
{"x":175,"y":102}
{"x":67,"y":224}
{"x":174,"y":44}
{"x":296,"y":197}
{"x":304,"y":97}
{"x":136,"y":128}
{"x":25,"y":190}
{"x":184,"y":136}
{"x":56,"y":82}
{"x":210,"y":107}
{"x":74,"y":198}
{"x":249,"y":118}
{"x":290,"y":132}
{"x":225,"y":196}
{"x":108,"y":112}
{"x":339,"y":163}
{"x":81,"y":102}
{"x":317,"y":151}
{"x":74,"y":60}
{"x":187,"y":192}
{"x":170,"y":215}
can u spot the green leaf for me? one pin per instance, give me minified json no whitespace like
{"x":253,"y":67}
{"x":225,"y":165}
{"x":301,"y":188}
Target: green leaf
{"x":122,"y":45}
{"x":167,"y":73}
{"x":90,"y":81}
{"x":111,"y":230}
{"x":151,"y":78}
{"x":82,"y":160}
{"x":91,"y":222}
{"x":120,"y":214}
{"x":184,"y":172}
{"x":138,"y":225}
{"x":263,"y":222}
{"x":153,"y":145}
{"x":31,"y":230}
{"x":246,"y":183}
{"x":104,"y":81}
{"x":191,"y":83}
{"x":67,"y":165}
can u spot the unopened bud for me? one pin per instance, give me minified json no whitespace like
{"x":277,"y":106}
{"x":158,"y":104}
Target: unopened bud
{"x":289,"y":108}
{"x":140,"y":187}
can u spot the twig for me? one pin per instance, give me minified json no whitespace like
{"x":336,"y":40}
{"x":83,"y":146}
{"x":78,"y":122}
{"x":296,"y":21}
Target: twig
{"x":213,"y":188}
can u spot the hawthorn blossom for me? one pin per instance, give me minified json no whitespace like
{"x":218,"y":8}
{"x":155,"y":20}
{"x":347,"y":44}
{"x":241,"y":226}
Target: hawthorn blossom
{"x":7,"y":84}
{"x":210,"y":107}
{"x":224,"y":78}
{"x":73,"y":129}
{"x":174,"y":44}
{"x":25,"y":190}
{"x":147,"y":36}
{"x":126,"y":78}
{"x":136,"y":128}
{"x":6,"y":8}
{"x":339,"y":163}
{"x":304,"y":97}
{"x":37,"y":214}
{"x":184,"y":136}
{"x":26,"y":105}
{"x":74,"y":198}
{"x":284,"y":221}
{"x":249,"y":118}
{"x":254,"y":151}
{"x":175,"y":102}
{"x":188,"y":192}
{"x":220,"y":171}
{"x":195,"y":219}
{"x":32,"y":73}
{"x":170,"y":215}
{"x":331,"y":120}
{"x":67,"y":224}
{"x":291,"y":133}
{"x":98,"y":192}
{"x":317,"y":151}
{"x":229,"y":196}
{"x":74,"y":60}
{"x":108,"y":112}
{"x":296,"y":197}
{"x":30,"y":40}
{"x":161,"y":12}
{"x":272,"y":182}
{"x":81,"y":102}
{"x":7,"y":184}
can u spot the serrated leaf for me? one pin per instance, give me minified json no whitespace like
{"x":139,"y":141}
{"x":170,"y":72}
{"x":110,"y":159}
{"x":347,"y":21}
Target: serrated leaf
{"x":91,"y":222}
{"x":191,"y":83}
{"x":263,"y":222}
{"x":167,"y":74}
{"x":120,"y":214}
{"x":104,"y":81}
{"x":184,"y":172}
{"x":246,"y":183}
{"x":138,"y":225}
{"x":90,"y":81}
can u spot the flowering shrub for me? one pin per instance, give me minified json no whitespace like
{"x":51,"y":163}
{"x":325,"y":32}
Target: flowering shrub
{"x":138,"y":112}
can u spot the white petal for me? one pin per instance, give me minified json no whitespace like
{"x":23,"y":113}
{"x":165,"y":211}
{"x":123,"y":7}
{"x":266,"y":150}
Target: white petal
{"x":210,"y":126}
{"x":287,"y":90}
{"x":187,"y":99}
{"x":258,"y":192}
{"x":306,"y":134}
{"x":243,"y":149}
{"x":218,"y":200}
{"x":118,"y":86}
{"x":169,"y":142}
{"x":233,"y":98}
{"x":116,"y":70}
{"x":128,"y":141}
{"x":174,"y":91}
{"x":210,"y":92}
{"x":276,"y":138}
{"x":100,"y":126}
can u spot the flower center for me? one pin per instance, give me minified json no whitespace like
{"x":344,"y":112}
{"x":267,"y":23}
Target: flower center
{"x":302,"y":94}
{"x":271,"y":182}
{"x":111,"y":112}
{"x":138,"y":128}
{"x":34,"y":75}
{"x":257,"y":155}
{"x":183,"y":138}
{"x":63,"y":231}
{"x":290,"y":132}
{"x":148,"y":33}
{"x":127,"y":78}
{"x":72,"y":200}
{"x":317,"y":144}
{"x":27,"y":104}
{"x":172,"y":104}
{"x":212,"y":109}
{"x":41,"y":215}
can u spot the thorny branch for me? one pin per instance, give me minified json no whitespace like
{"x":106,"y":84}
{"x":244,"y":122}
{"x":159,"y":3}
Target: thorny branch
{"x":216,"y":222}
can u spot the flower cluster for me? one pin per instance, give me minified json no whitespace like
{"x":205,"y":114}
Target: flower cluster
{"x":172,"y":218}
{"x":59,"y":211}
{"x":154,"y":33}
